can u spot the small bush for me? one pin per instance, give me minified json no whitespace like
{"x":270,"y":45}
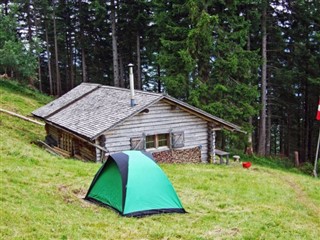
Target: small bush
{"x":307,"y":168}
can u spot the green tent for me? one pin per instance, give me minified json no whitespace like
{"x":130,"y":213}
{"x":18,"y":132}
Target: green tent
{"x":133,"y":184}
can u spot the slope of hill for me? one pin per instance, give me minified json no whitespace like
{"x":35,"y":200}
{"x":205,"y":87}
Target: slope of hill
{"x":41,"y":195}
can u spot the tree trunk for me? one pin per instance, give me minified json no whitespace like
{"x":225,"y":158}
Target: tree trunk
{"x":29,"y":21}
{"x":37,"y":23}
{"x":281,"y":139}
{"x":159,"y":78}
{"x":139,"y":81}
{"x":84,"y":66}
{"x":306,"y":138}
{"x":249,"y":148}
{"x":6,"y":3}
{"x":58,"y":78}
{"x":49,"y":62}
{"x":69,"y":51}
{"x":122,"y":76}
{"x":296,"y":159}
{"x":67,"y":57}
{"x":39,"y":74}
{"x":30,"y":40}
{"x":83,"y":43}
{"x":116,"y":82}
{"x":72,"y":75}
{"x":288,"y":148}
{"x":268,"y":131}
{"x":262,"y":125}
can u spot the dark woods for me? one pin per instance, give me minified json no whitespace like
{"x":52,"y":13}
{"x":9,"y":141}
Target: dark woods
{"x":254,"y":63}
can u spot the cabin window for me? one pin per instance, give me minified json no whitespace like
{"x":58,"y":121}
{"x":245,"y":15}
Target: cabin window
{"x":172,"y":140}
{"x":163,"y":140}
{"x":150,"y":141}
{"x":157,"y":141}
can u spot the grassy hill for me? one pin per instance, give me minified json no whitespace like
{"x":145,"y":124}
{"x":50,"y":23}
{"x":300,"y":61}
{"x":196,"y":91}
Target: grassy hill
{"x":41,"y":195}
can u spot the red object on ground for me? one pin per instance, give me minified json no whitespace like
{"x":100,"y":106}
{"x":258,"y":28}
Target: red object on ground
{"x":246,"y":164}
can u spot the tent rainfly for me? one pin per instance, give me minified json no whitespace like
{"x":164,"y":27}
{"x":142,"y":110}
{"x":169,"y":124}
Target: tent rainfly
{"x":134,"y":185}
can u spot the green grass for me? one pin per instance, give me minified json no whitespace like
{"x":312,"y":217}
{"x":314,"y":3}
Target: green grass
{"x":41,"y":195}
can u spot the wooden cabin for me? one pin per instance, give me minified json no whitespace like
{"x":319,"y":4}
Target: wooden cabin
{"x":92,"y":121}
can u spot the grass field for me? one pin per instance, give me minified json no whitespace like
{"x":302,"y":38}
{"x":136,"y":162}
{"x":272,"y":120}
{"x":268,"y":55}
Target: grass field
{"x":41,"y":195}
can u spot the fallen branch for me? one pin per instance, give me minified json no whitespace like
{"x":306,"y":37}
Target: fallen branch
{"x":20,"y":116}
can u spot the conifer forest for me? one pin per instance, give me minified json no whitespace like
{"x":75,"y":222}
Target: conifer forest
{"x":255,"y":63}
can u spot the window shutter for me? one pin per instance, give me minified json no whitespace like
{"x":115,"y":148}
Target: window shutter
{"x":137,"y":143}
{"x":177,"y":139}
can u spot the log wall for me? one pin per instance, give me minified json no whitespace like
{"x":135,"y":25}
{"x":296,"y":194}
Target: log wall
{"x":71,"y":145}
{"x":161,"y":118}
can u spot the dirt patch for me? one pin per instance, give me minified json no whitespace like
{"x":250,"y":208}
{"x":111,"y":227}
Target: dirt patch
{"x":80,"y":193}
{"x":65,"y":192}
{"x":222,"y":233}
{"x":70,"y":195}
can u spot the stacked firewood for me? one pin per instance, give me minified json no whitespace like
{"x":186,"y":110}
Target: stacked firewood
{"x":189,"y":155}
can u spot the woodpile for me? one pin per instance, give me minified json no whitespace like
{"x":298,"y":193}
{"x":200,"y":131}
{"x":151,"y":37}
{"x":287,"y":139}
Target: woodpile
{"x":189,"y":155}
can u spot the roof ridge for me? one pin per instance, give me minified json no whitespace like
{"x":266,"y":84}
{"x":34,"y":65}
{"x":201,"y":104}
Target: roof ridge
{"x":88,"y":83}
{"x":124,"y":89}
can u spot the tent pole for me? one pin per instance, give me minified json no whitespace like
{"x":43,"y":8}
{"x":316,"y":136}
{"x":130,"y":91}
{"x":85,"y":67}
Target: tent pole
{"x":316,"y":159}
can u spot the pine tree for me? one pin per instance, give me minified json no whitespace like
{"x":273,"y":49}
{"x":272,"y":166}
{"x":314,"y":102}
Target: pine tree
{"x":16,"y":58}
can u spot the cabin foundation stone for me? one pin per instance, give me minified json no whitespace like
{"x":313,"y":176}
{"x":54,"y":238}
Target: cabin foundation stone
{"x":189,"y":155}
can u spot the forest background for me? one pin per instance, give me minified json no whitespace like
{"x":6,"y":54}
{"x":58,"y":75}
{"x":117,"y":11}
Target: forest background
{"x":253,"y":63}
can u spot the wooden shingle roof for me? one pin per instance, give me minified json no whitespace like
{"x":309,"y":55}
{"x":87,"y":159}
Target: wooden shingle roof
{"x":91,"y":109}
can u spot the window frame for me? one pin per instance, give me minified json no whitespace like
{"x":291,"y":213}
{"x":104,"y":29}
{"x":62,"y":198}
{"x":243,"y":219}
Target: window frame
{"x":153,"y":141}
{"x":156,"y":141}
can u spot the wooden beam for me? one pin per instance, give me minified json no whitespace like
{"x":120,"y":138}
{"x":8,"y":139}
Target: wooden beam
{"x":22,"y":117}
